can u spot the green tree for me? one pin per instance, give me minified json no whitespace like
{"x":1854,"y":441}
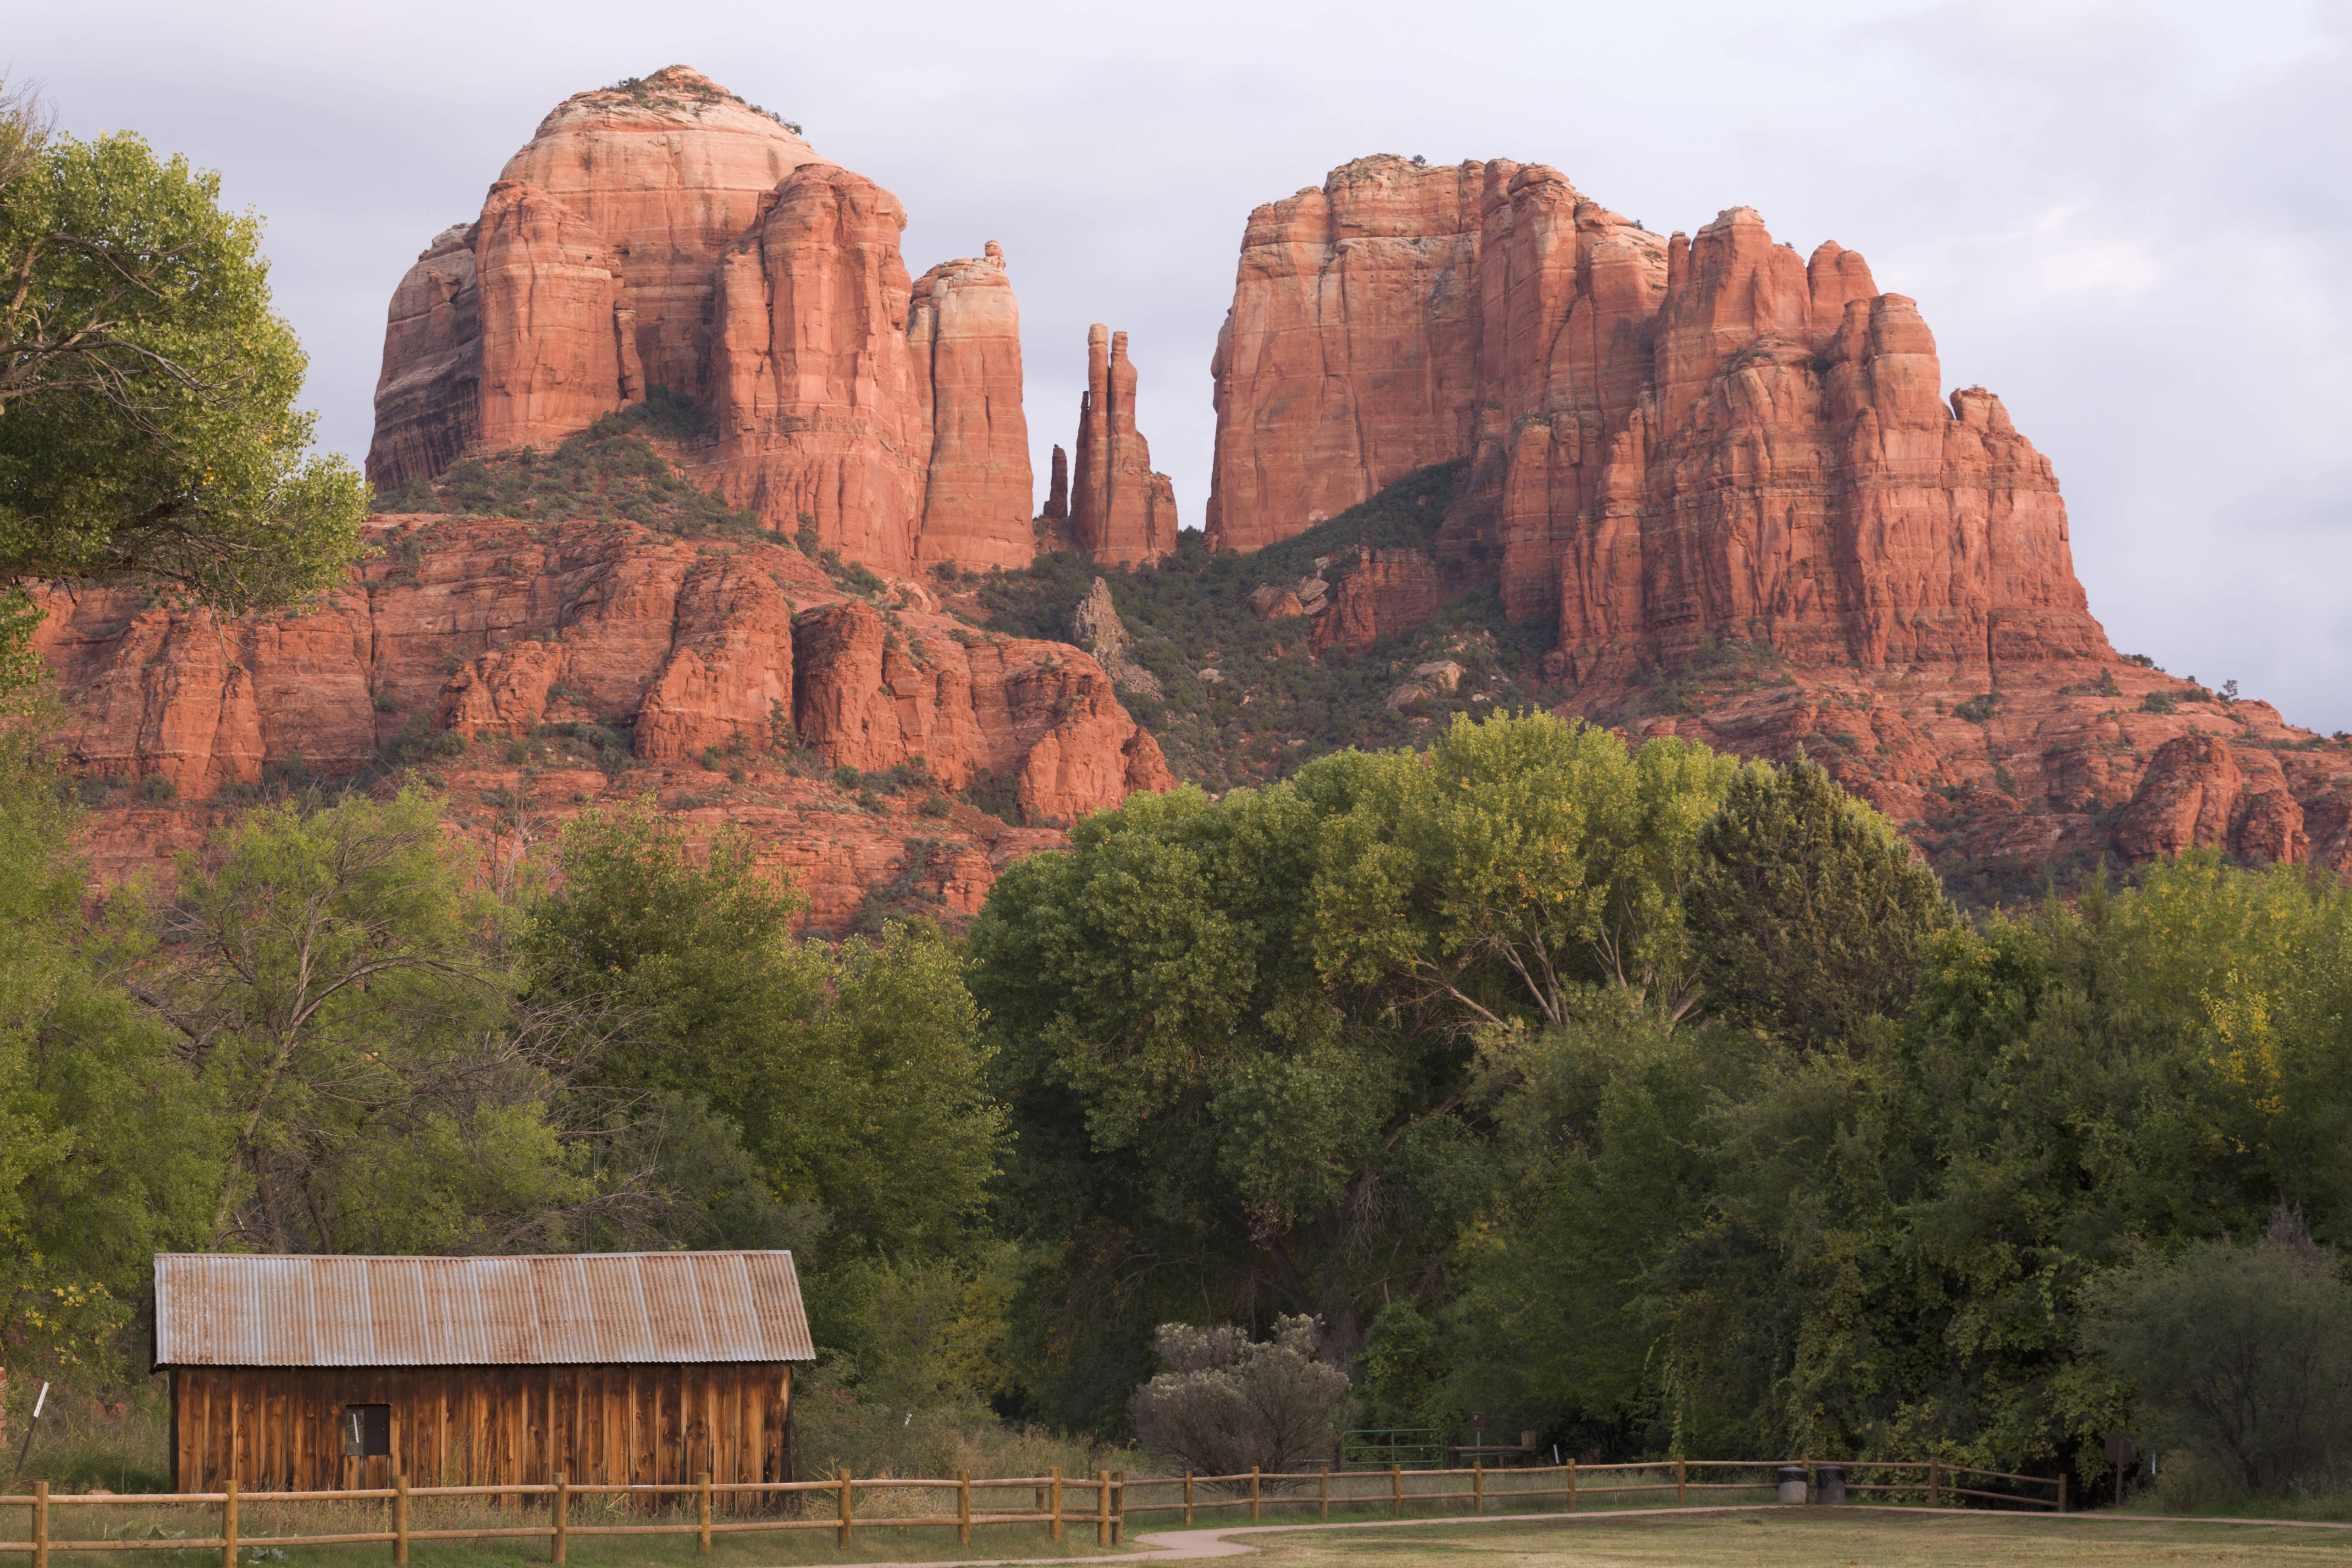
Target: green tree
{"x":108,"y":1154}
{"x":1519,"y":860}
{"x":1236,"y":1036}
{"x":858,"y":1078}
{"x":336,"y":982}
{"x":1809,"y":910}
{"x":2237,"y":1353}
{"x":147,"y":420}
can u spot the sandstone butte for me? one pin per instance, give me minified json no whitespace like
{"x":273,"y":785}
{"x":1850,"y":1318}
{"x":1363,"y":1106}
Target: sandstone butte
{"x":1702,"y":456}
{"x":664,"y":234}
{"x":1120,"y":512}
{"x":706,"y":655}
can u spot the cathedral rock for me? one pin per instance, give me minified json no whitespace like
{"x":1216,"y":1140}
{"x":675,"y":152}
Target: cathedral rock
{"x":1728,"y":479}
{"x":665,"y":234}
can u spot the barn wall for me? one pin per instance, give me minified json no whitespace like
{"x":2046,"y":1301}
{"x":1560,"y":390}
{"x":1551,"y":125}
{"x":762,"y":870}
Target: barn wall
{"x":276,"y":1428}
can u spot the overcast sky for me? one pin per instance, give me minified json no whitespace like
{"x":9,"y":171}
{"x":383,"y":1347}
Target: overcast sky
{"x":2134,"y":221}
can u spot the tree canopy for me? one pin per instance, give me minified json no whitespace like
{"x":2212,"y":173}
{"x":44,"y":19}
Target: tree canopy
{"x":148,"y":426}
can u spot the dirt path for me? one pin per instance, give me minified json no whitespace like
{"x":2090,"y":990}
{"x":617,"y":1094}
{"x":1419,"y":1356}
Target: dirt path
{"x":1174,"y":1545}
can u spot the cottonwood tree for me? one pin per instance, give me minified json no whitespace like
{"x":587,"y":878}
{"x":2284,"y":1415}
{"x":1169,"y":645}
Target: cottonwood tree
{"x":337,"y":986}
{"x":1808,"y":910}
{"x":1237,"y":1038}
{"x":148,"y":429}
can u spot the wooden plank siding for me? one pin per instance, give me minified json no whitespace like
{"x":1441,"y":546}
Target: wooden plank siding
{"x":279,"y":1428}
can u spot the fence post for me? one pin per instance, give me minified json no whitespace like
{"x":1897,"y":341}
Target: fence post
{"x":228,"y":1524}
{"x":563,"y":1497}
{"x":963,"y":1507}
{"x":1188,"y":1497}
{"x":841,"y":1530}
{"x":1396,"y":1491}
{"x":1102,"y":1507}
{"x":1118,"y":1507}
{"x":1253,"y":1494}
{"x":2062,"y":1491}
{"x":400,"y":1520}
{"x":1323,"y":1491}
{"x":1057,"y":1502}
{"x":702,"y":1515}
{"x":1935,"y":1483}
{"x":40,"y":1524}
{"x":1571,"y":1483}
{"x":1681,"y":1491}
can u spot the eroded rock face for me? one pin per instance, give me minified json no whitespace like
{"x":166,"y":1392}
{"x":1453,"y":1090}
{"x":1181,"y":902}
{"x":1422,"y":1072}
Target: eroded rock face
{"x":495,"y":629}
{"x":1674,"y":440}
{"x":1095,"y":626}
{"x":1120,"y":511}
{"x":964,"y":330}
{"x":1377,"y":272}
{"x":2201,"y":792}
{"x":819,"y":420}
{"x":663,"y":234}
{"x":1381,"y":593}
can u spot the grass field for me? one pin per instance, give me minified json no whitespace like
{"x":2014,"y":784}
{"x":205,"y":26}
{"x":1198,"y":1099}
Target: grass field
{"x":1802,"y":1538}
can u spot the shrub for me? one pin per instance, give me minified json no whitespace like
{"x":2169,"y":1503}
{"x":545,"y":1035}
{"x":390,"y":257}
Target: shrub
{"x":2242,"y":1355}
{"x":2159,"y":702}
{"x":846,"y":778}
{"x":157,"y":790}
{"x":385,"y":702}
{"x":1225,"y":1403}
{"x":1977,"y":710}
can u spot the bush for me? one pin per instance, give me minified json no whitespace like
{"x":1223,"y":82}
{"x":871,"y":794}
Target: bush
{"x":1977,"y":710}
{"x":2241,"y":1356}
{"x":1226,"y":1404}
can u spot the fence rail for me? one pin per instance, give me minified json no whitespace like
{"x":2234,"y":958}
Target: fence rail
{"x":1106,"y":1500}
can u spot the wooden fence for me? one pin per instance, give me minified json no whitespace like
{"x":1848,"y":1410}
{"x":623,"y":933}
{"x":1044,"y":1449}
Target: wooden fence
{"x":1107,"y":1501}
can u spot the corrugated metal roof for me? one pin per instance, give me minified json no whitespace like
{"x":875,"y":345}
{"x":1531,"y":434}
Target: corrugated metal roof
{"x":217,"y":1309}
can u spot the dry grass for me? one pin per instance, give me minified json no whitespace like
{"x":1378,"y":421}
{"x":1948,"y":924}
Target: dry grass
{"x":1806,"y":1538}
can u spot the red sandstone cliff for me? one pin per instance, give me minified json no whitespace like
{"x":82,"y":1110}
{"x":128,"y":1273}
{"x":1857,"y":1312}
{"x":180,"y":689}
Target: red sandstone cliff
{"x":662,"y":233}
{"x":964,"y":329}
{"x":495,"y":630}
{"x":1120,"y":511}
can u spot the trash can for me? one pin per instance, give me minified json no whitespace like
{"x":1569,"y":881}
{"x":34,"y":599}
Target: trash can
{"x":1792,"y":1483}
{"x":1829,"y":1484}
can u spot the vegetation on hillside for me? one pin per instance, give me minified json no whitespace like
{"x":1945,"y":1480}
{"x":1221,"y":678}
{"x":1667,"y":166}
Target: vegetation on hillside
{"x":611,"y":472}
{"x":1271,"y":708}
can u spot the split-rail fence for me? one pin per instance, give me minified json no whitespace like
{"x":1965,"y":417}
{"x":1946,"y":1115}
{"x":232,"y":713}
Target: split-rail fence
{"x":1107,"y":1501}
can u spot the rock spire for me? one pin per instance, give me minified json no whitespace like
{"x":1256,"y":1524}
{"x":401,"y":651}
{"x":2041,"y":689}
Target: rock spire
{"x":1120,"y":511}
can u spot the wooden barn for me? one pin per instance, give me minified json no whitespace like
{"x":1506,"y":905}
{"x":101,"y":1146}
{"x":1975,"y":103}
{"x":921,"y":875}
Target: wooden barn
{"x":301,"y":1373}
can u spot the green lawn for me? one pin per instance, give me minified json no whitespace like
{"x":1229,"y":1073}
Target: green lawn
{"x":1806,"y":1538}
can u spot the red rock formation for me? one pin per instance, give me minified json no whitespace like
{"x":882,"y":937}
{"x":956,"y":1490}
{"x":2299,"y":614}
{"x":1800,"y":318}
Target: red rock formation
{"x":1120,"y":511}
{"x":1730,"y":478}
{"x":497,"y":629}
{"x":1385,"y":591}
{"x":964,"y":330}
{"x":1377,"y":272}
{"x":1675,"y":442}
{"x":670,"y":171}
{"x":664,"y":234}
{"x":1058,"y":492}
{"x":429,"y":399}
{"x":553,"y":329}
{"x":2200,"y":792}
{"x":819,"y":419}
